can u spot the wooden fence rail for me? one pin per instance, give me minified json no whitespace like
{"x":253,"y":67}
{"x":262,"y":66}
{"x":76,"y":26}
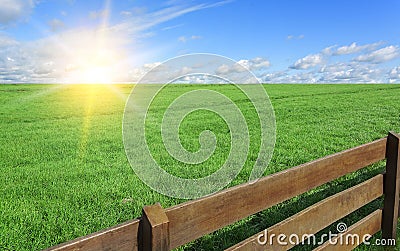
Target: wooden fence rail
{"x":165,"y":229}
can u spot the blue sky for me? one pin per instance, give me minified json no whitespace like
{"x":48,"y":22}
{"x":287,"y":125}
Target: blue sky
{"x":280,"y":41}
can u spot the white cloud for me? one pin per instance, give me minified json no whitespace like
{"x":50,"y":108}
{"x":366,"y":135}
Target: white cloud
{"x":163,"y":72}
{"x":144,"y":21}
{"x":379,"y":56}
{"x":254,"y":64}
{"x":394,"y":75}
{"x":308,"y":62}
{"x":292,"y":37}
{"x":185,"y":70}
{"x":184,"y":39}
{"x":342,"y":72}
{"x":354,"y":48}
{"x":286,"y":77}
{"x":6,"y":41}
{"x":273,"y":77}
{"x":395,"y":72}
{"x":302,"y":77}
{"x":171,"y":27}
{"x":150,"y":66}
{"x":223,"y":69}
{"x":200,"y":79}
{"x":351,"y":73}
{"x":328,"y":50}
{"x":14,"y":10}
{"x":126,"y":13}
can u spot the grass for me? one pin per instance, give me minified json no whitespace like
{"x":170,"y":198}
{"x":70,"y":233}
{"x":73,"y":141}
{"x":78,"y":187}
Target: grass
{"x":64,"y":172}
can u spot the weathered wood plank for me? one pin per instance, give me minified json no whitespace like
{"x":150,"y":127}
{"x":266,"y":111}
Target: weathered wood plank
{"x":315,"y":218}
{"x":122,"y":237}
{"x":193,"y":219}
{"x":154,"y":229}
{"x":369,"y":225}
{"x":392,"y":187}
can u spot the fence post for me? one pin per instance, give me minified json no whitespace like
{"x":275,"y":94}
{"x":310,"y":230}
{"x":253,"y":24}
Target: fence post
{"x":392,"y":186}
{"x":154,"y":229}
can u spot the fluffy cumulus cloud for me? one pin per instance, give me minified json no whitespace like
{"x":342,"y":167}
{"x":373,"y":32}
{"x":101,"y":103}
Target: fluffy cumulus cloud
{"x":255,"y":63}
{"x":328,"y":51}
{"x":14,"y":10}
{"x":328,"y":66}
{"x":158,"y":72}
{"x":351,"y":73}
{"x":243,"y":65}
{"x":379,"y":56}
{"x":308,"y":62}
{"x":394,"y":75}
{"x":289,"y":77}
{"x":347,"y":72}
{"x":370,"y":67}
{"x":135,"y":74}
{"x":273,"y":77}
{"x":200,"y":79}
{"x":354,"y":48}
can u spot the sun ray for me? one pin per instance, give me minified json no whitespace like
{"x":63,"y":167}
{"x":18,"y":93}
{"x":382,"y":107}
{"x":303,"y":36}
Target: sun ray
{"x":117,"y":92}
{"x":92,"y":98}
{"x":91,"y":94}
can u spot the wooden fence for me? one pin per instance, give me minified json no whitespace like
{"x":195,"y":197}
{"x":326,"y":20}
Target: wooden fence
{"x":165,"y":229}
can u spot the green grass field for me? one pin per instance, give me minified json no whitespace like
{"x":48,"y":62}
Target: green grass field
{"x":64,"y":172}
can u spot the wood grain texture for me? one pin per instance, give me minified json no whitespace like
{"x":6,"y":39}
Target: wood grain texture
{"x":154,"y":229}
{"x":392,"y":187}
{"x":122,"y":237}
{"x":193,"y":219}
{"x":368,"y":225}
{"x":315,"y":218}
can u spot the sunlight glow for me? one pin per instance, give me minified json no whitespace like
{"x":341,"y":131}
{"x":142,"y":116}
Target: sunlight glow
{"x":93,"y":64}
{"x":94,"y":56}
{"x":97,"y":75}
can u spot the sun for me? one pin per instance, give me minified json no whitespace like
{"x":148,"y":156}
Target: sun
{"x":93,"y":65}
{"x":97,"y":75}
{"x":97,"y":67}
{"x":92,"y":74}
{"x":94,"y":56}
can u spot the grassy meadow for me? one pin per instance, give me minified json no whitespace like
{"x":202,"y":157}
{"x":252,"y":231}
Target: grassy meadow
{"x":64,"y":172}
